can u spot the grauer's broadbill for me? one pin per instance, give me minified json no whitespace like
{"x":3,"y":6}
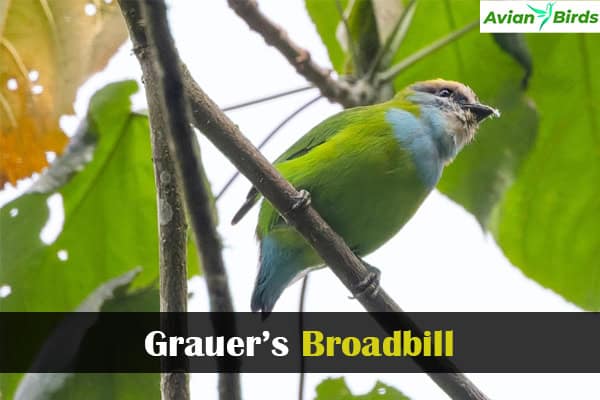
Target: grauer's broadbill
{"x":367,"y":170}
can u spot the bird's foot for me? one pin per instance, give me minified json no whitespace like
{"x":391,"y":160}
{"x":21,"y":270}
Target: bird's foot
{"x":370,"y":285}
{"x":301,"y":200}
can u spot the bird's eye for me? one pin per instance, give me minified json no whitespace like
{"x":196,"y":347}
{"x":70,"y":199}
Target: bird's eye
{"x":444,"y":93}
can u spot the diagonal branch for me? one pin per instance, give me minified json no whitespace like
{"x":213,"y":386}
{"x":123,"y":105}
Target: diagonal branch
{"x":225,"y":135}
{"x":336,"y":90}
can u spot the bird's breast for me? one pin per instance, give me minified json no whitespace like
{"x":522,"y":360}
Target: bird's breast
{"x":419,"y":140}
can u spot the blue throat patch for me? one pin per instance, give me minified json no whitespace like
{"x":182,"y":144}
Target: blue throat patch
{"x":426,"y":140}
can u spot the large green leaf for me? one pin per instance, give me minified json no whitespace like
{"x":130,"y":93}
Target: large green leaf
{"x":114,"y":296}
{"x":326,"y":18}
{"x":109,"y":214}
{"x":549,"y":222}
{"x":336,"y":389}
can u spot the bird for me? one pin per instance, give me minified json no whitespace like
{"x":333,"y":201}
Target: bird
{"x":366,"y":170}
{"x":544,"y":14}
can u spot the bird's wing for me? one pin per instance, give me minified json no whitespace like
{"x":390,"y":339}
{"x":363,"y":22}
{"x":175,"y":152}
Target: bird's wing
{"x":540,"y":13}
{"x":319,"y":134}
{"x":315,"y":137}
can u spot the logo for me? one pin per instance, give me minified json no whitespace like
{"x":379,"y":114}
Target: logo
{"x":512,"y":16}
{"x":545,"y":15}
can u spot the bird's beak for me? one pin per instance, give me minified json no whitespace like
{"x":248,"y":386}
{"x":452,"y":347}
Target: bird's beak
{"x":481,"y":111}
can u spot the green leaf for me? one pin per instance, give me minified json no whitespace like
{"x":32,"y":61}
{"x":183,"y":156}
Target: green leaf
{"x":336,"y":389}
{"x":370,"y":22}
{"x":109,"y":214}
{"x":363,"y":43}
{"x":326,"y":18}
{"x":110,"y":386}
{"x":515,"y":45}
{"x":548,"y":223}
{"x":485,"y":169}
{"x":114,"y":294}
{"x":117,"y":386}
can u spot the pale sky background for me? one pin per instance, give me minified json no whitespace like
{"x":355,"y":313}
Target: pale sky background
{"x":440,"y":261}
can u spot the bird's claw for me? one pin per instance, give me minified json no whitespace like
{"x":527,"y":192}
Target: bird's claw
{"x":301,"y":201}
{"x":370,"y":285}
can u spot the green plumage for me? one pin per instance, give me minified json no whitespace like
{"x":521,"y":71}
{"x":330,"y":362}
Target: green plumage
{"x":367,"y":169}
{"x":353,"y":149}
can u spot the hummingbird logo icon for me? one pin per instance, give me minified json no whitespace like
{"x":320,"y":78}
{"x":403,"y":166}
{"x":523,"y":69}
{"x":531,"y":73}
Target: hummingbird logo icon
{"x":544,"y":14}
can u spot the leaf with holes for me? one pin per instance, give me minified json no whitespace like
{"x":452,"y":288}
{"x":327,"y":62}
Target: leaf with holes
{"x":109,"y":214}
{"x":336,"y":389}
{"x":47,"y":49}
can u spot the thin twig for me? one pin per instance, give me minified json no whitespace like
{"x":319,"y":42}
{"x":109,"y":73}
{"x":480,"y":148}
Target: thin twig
{"x":267,"y":139}
{"x":301,"y":325}
{"x":225,"y":135}
{"x":154,"y":47}
{"x":339,"y":91}
{"x":267,"y":98}
{"x":396,"y":69}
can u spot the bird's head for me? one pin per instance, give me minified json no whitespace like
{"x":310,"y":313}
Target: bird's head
{"x":458,"y":104}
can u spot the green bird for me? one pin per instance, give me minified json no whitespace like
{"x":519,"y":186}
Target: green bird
{"x":367,"y":169}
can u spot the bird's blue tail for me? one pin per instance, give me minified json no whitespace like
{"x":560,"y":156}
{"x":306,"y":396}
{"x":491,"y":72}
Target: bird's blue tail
{"x":280,"y":265}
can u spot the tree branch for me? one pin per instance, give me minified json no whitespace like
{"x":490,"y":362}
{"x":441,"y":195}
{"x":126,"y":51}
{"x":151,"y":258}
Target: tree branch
{"x":172,"y":226}
{"x":337,"y":90}
{"x":169,"y":116}
{"x":281,"y":194}
{"x":225,"y":135}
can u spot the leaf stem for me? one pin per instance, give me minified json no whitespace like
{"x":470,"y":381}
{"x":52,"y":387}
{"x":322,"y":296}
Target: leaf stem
{"x":396,"y":37}
{"x":352,"y":48}
{"x":396,"y":69}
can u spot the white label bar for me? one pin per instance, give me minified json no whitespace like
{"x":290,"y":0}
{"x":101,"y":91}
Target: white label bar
{"x":539,"y":16}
